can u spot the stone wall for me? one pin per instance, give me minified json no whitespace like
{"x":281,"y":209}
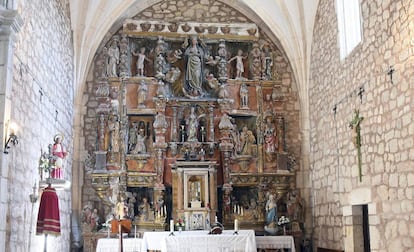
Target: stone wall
{"x":387,"y":133}
{"x":42,"y":105}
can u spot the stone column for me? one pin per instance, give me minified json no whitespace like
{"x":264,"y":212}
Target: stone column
{"x":180,"y":185}
{"x":213,"y":191}
{"x":10,"y":23}
{"x":174,"y":125}
{"x":211,"y":125}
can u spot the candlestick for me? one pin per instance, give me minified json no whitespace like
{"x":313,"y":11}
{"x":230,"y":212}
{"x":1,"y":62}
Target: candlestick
{"x":171,"y":226}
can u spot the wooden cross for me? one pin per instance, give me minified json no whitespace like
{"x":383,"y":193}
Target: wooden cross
{"x":355,"y":124}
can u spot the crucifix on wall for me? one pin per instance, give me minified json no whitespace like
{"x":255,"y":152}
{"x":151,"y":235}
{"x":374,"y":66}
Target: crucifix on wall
{"x":355,"y":125}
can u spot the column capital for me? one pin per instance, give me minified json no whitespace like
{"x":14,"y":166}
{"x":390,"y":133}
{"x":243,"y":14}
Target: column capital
{"x":10,"y":22}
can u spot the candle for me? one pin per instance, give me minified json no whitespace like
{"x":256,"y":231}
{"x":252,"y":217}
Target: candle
{"x":236,"y":225}
{"x":242,"y":211}
{"x":109,"y":231}
{"x":165,"y":211}
{"x":171,"y":225}
{"x":135,"y":231}
{"x":215,"y":219}
{"x":234,"y":209}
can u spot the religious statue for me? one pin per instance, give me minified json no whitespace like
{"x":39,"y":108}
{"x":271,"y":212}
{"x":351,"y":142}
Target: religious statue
{"x":141,"y":61}
{"x":114,"y":101}
{"x":113,"y":59}
{"x":267,"y":63}
{"x":244,"y":96}
{"x":236,"y":138}
{"x":194,"y":69}
{"x":58,"y":153}
{"x":144,"y":209}
{"x":140,"y":146}
{"x":270,"y":140}
{"x":192,"y":126}
{"x":132,"y":140}
{"x":271,"y":209}
{"x":113,"y":126}
{"x":94,"y":220}
{"x":247,"y":140}
{"x":121,"y":209}
{"x":142,"y":94}
{"x":239,"y":63}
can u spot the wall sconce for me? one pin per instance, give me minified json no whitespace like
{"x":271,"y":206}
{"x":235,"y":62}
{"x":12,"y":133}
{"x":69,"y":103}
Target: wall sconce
{"x":13,"y":139}
{"x":33,"y":196}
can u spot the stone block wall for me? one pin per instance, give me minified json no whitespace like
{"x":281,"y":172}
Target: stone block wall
{"x":41,"y":106}
{"x":386,"y":131}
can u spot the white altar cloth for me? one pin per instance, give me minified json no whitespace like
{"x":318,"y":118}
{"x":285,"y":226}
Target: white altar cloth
{"x":112,"y":244}
{"x":200,"y":241}
{"x":275,"y":242}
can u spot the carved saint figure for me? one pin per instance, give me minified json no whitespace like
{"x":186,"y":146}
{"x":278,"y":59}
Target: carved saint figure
{"x":140,"y":146}
{"x":239,"y":63}
{"x":194,"y":59}
{"x":59,"y":154}
{"x":141,"y":60}
{"x":132,"y":140}
{"x":121,"y":209}
{"x":192,"y":126}
{"x":113,"y":59}
{"x":236,"y":138}
{"x":267,"y":63}
{"x":248,"y":140}
{"x":113,"y":127}
{"x":142,"y":94}
{"x":244,"y":96}
{"x":144,"y":209}
{"x":271,"y":209}
{"x":270,"y":133}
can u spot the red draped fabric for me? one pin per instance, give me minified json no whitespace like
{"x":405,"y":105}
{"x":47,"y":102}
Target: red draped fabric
{"x":48,"y":219}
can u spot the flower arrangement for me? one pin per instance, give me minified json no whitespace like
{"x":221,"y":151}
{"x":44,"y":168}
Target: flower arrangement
{"x":283,"y":221}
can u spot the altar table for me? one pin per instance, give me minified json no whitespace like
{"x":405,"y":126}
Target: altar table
{"x":200,"y":241}
{"x":112,"y":244}
{"x":275,"y":242}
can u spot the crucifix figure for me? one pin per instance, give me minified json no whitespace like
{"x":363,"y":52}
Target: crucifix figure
{"x":355,"y":124}
{"x":391,"y":70}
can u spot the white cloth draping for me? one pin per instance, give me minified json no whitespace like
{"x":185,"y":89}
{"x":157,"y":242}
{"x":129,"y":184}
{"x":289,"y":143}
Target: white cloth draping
{"x":275,"y":242}
{"x":112,"y":244}
{"x":200,"y":241}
